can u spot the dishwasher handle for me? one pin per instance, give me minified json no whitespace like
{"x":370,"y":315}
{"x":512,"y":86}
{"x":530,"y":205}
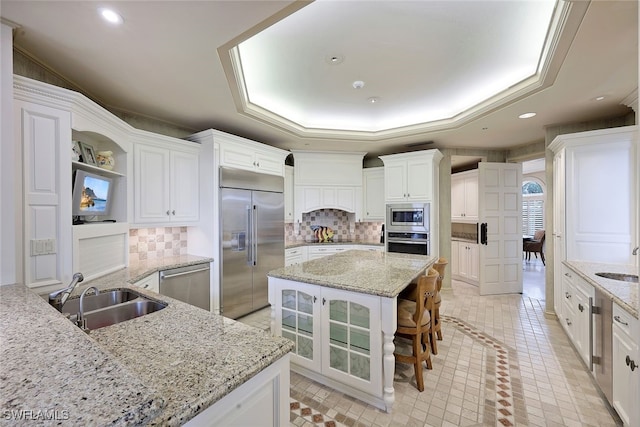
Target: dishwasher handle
{"x":168,"y":275}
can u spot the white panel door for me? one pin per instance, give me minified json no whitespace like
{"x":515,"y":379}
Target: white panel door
{"x":152,"y":195}
{"x":500,"y":212}
{"x":45,"y":137}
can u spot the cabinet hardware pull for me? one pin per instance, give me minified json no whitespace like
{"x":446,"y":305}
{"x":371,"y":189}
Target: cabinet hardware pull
{"x":631,"y":363}
{"x":323,"y":301}
{"x":567,"y":295}
{"x":167,"y":213}
{"x":568,"y":321}
{"x":173,"y":212}
{"x":567,"y":274}
{"x":315,"y":298}
{"x":580,"y":307}
{"x":619,"y":320}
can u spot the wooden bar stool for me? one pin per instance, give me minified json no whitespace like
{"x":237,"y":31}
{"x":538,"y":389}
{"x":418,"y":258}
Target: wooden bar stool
{"x":439,"y":266}
{"x":414,"y":322}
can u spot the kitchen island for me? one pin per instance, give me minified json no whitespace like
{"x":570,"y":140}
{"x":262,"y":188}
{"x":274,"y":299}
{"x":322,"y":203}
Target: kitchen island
{"x":340,"y":311}
{"x":180,"y":365}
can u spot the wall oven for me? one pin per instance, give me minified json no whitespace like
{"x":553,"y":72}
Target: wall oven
{"x":407,"y":228}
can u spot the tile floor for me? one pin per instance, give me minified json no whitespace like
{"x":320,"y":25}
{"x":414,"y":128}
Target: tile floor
{"x":501,"y":363}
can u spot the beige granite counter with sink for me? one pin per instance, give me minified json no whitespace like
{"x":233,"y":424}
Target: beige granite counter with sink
{"x":159,"y":369}
{"x":624,"y":294}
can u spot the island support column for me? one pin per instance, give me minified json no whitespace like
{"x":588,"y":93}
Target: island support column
{"x":389,"y":314}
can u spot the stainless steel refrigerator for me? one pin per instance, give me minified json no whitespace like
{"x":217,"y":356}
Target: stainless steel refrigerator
{"x":252,"y":238}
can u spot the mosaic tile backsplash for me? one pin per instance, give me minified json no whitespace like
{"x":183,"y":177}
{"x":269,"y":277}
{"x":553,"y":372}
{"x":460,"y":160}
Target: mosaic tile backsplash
{"x":343,"y":224}
{"x":152,"y":243}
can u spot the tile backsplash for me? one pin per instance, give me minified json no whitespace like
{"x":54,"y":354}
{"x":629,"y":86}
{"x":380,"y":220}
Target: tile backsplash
{"x":341,"y":222}
{"x":152,"y":243}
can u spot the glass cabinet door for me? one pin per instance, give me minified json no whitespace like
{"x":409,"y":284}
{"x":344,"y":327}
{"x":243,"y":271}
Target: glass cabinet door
{"x":297,"y":321}
{"x":352,"y":346}
{"x":349,"y":340}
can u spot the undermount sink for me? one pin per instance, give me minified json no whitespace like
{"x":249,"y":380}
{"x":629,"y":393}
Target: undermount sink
{"x":102,"y":300}
{"x":620,"y":276}
{"x":111,"y":307}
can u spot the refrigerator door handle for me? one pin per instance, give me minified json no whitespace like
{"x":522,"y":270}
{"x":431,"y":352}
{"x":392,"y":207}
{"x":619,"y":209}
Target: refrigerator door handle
{"x":254,"y":235}
{"x":250,"y":234}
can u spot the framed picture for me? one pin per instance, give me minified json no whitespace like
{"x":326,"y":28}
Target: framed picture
{"x":88,"y":153}
{"x":76,"y":152}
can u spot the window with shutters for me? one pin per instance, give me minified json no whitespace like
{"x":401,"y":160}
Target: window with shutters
{"x":532,"y":207}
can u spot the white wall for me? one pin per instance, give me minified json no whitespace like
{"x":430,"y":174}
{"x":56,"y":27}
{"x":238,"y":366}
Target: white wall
{"x":10,"y":199}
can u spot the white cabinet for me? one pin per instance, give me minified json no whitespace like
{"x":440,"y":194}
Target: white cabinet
{"x":469,"y":261}
{"x":295,"y":255}
{"x":151,"y":283}
{"x":464,"y":196}
{"x":166,"y":187}
{"x":411,"y":177}
{"x":252,"y":158}
{"x":315,"y":252}
{"x":288,"y":194}
{"x":262,"y":401}
{"x":465,"y":262}
{"x":373,"y":194}
{"x":626,"y":372}
{"x":599,"y":172}
{"x":576,"y":312}
{"x":327,"y":180}
{"x":333,"y":332}
{"x":311,"y":198}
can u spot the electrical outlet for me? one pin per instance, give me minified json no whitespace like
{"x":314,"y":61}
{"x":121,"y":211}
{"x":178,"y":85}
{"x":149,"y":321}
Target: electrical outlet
{"x":43,"y":247}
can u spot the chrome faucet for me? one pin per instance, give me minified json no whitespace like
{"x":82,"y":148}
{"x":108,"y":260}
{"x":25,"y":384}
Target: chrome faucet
{"x":635,"y":250}
{"x":59,"y":297}
{"x":82,"y":322}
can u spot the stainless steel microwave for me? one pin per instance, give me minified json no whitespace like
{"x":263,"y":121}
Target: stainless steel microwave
{"x":408,"y":217}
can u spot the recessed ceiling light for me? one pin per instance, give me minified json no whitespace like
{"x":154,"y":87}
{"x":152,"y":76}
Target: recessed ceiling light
{"x":373,"y":100}
{"x":358,"y":84}
{"x":334,"y":59}
{"x":526,"y":115}
{"x":110,"y":16}
{"x":599,"y":98}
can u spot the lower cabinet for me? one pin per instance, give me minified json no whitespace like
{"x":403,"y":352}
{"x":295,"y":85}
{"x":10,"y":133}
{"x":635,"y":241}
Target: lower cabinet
{"x":336,"y":333}
{"x":151,"y":283}
{"x":301,"y":254}
{"x":262,"y":401}
{"x":296,"y":255}
{"x":465,"y":261}
{"x":315,"y":252}
{"x":626,"y":372}
{"x":578,"y":301}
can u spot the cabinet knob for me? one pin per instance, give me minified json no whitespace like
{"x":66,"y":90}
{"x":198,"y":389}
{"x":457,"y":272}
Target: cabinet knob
{"x":567,"y":274}
{"x":173,"y":212}
{"x":581,"y":308}
{"x":630,"y":363}
{"x":567,"y":295}
{"x":258,"y":164}
{"x":168,"y":213}
{"x":568,"y":322}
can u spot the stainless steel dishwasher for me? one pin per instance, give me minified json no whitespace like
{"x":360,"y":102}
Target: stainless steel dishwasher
{"x":189,"y":284}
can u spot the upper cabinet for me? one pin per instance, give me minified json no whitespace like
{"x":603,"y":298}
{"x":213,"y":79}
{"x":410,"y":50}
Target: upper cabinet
{"x":373,"y":194}
{"x":327,"y":180}
{"x":600,"y":195}
{"x":166,"y":186}
{"x":240,"y":153}
{"x":464,"y":196}
{"x":411,"y":177}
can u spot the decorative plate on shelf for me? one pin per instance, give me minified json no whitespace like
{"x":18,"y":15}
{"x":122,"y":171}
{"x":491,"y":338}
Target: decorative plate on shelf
{"x":322,"y":233}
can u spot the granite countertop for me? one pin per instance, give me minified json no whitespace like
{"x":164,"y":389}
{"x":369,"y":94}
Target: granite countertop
{"x":623,"y":293}
{"x":384,"y":274}
{"x":341,"y":242}
{"x":160,"y":369}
